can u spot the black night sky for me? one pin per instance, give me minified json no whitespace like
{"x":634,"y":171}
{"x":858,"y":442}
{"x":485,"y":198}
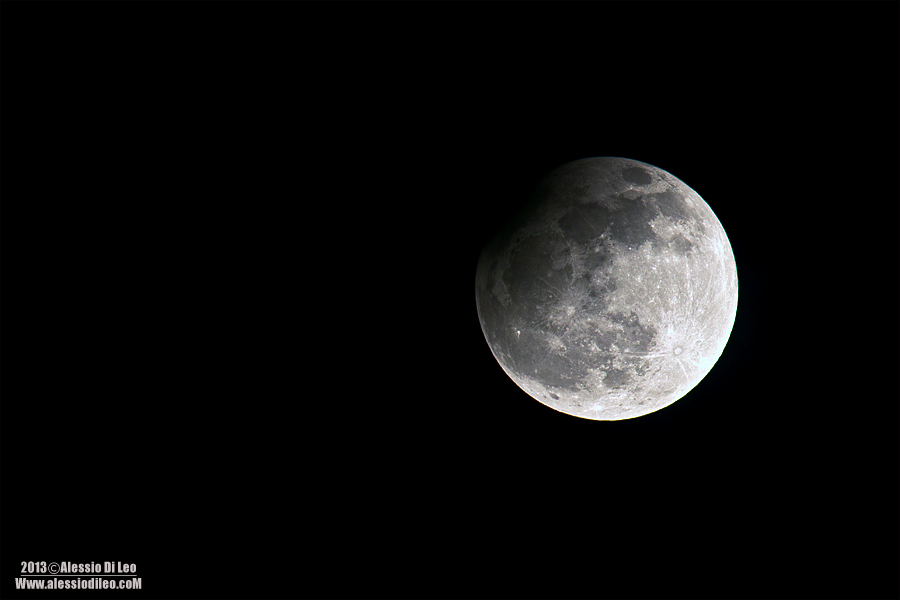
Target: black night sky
{"x":240,"y":344}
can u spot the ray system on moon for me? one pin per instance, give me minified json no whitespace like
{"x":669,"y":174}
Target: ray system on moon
{"x":612,"y":294}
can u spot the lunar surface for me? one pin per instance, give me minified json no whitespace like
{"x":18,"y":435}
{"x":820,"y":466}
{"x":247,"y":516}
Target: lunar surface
{"x":612,"y":294}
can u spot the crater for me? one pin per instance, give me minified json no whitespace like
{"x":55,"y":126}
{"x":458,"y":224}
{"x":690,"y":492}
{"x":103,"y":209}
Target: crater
{"x":637,"y":176}
{"x":631,"y":224}
{"x":551,"y":369}
{"x":638,"y":337}
{"x":617,"y":378}
{"x":673,"y":205}
{"x":600,"y":257}
{"x":681,"y":244}
{"x":585,"y":222}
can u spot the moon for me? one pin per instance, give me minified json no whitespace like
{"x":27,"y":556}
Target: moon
{"x":612,"y":293}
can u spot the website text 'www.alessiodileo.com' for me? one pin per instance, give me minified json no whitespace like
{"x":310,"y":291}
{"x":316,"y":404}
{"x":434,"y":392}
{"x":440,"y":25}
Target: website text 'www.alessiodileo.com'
{"x":42,"y":575}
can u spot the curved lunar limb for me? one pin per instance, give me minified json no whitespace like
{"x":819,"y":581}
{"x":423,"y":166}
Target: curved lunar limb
{"x":613,"y":294}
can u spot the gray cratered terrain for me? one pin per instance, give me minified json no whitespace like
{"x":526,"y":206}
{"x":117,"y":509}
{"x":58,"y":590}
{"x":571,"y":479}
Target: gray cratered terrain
{"x":612,"y":294}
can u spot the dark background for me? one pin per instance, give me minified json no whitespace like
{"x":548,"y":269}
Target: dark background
{"x":240,"y":344}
